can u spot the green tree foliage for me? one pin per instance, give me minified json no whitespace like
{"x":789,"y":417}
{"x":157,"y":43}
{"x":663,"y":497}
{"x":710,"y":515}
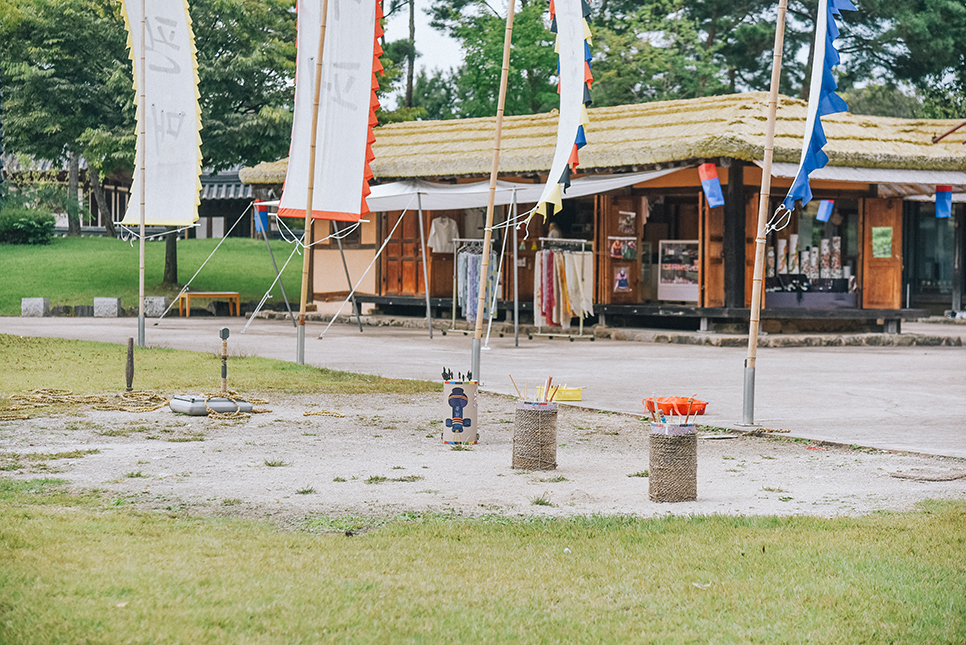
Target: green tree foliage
{"x":60,"y":61}
{"x":246,"y":66}
{"x":651,"y":52}
{"x":436,"y":94}
{"x":19,"y":225}
{"x":481,"y":30}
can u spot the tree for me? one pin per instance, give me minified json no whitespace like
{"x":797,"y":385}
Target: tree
{"x":246,"y":67}
{"x":58,"y":57}
{"x":651,"y":53}
{"x":436,"y":94}
{"x":481,"y":30}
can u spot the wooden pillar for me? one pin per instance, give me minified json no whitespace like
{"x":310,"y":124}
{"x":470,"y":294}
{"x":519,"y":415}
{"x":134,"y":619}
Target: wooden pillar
{"x":734,"y":236}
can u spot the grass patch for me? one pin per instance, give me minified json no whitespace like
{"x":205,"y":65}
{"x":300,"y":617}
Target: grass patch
{"x":275,"y":463}
{"x":461,"y":447}
{"x":14,"y":461}
{"x":308,"y":490}
{"x":554,"y":480}
{"x":887,"y":577}
{"x":91,"y":367}
{"x":73,"y":271}
{"x":406,"y":478}
{"x":194,"y":436}
{"x":542,"y":500}
{"x":135,"y":474}
{"x":640,"y":473}
{"x":123,"y":431}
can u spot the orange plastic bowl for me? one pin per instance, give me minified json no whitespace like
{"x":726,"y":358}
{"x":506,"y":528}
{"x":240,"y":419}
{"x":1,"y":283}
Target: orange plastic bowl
{"x":679,"y":405}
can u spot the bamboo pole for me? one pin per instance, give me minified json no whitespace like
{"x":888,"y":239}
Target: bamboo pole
{"x":142,"y":142}
{"x":310,"y":191}
{"x":494,"y":171}
{"x":748,"y":403}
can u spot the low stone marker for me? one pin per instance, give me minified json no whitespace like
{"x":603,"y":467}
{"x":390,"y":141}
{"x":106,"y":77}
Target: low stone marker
{"x":155,"y":306}
{"x":83,"y":311}
{"x":62,"y":310}
{"x":107,"y":307}
{"x":35,"y":307}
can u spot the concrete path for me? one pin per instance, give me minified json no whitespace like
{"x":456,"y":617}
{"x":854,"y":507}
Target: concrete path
{"x":897,"y":398}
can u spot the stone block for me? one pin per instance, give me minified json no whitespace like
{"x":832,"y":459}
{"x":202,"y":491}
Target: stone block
{"x":34,"y":307}
{"x":107,"y":307}
{"x":83,"y":311}
{"x":62,"y":311}
{"x":155,"y":306}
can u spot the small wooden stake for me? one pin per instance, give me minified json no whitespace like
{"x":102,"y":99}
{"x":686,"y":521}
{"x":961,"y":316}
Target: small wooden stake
{"x":129,"y":371}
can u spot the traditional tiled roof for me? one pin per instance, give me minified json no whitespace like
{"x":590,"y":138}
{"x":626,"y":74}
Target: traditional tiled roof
{"x":647,"y":135}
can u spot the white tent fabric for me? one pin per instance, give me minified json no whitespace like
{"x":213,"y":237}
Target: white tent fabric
{"x":171,"y":116}
{"x":402,"y":194}
{"x":874,"y":175}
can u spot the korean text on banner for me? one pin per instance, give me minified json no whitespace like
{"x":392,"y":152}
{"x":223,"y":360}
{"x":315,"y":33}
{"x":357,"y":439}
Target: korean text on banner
{"x":172,"y":117}
{"x":347,"y":104}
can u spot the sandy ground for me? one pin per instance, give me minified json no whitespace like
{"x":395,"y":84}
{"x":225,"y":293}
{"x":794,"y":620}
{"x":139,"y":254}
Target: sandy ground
{"x":284,"y":465}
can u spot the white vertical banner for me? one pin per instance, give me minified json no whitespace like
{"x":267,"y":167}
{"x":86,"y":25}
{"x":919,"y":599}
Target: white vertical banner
{"x":171,"y":114}
{"x":346,"y":107}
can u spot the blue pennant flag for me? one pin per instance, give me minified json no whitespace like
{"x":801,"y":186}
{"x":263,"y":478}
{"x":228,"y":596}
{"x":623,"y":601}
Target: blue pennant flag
{"x":825,"y":210}
{"x":944,"y":201}
{"x":708,"y":174}
{"x":822,"y":99}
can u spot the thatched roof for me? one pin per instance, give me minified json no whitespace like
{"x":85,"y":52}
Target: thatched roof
{"x":646,"y":135}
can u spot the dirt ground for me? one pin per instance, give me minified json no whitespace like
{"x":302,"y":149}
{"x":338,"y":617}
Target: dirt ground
{"x":384,"y":455}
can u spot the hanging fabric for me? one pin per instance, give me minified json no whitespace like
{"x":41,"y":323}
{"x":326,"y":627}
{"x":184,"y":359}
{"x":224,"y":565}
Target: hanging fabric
{"x":568,"y":19}
{"x":822,"y":99}
{"x":563,"y":287}
{"x":469,"y":263}
{"x":347,"y":110}
{"x":442,"y":232}
{"x":171,"y":117}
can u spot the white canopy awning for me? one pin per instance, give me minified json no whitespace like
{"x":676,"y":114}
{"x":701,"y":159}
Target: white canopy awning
{"x":892,"y":182}
{"x":402,"y":194}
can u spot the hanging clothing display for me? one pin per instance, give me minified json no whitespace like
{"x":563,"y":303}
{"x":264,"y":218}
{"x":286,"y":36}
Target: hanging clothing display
{"x":469,"y":266}
{"x":563,"y":287}
{"x":442,"y":232}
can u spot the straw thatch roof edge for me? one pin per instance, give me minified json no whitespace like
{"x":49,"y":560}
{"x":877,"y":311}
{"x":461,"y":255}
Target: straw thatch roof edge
{"x":650,"y":135}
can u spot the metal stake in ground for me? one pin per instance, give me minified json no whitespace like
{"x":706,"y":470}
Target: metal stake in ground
{"x":224,"y":359}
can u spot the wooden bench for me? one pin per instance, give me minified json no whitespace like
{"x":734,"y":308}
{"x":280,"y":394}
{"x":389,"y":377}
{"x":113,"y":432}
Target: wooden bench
{"x":184,"y":302}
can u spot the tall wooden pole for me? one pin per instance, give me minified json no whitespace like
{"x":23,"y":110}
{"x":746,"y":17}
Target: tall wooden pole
{"x":142,"y":142}
{"x":310,"y":192}
{"x":748,"y":403}
{"x":494,"y":171}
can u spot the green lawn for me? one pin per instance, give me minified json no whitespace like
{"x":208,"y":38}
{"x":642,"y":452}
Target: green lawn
{"x":74,"y":270}
{"x":85,"y":567}
{"x":87,"y":367}
{"x":80,"y":569}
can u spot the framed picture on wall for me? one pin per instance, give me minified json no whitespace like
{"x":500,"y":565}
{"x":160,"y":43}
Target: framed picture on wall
{"x":626,"y":223}
{"x":678,"y":277}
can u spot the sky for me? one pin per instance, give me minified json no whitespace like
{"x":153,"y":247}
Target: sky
{"x":437,"y":50}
